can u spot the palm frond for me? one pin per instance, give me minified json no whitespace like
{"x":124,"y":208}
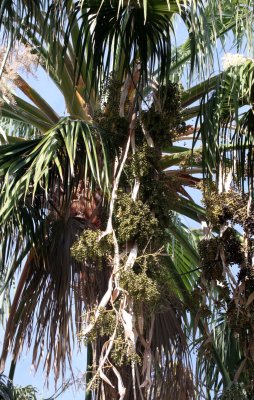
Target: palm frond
{"x":140,"y":33}
{"x":225,"y":126}
{"x":9,"y":391}
{"x":13,"y":131}
{"x":52,"y":180}
{"x":70,"y":142}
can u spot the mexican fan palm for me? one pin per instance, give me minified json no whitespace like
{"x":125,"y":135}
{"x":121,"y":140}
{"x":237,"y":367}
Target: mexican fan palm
{"x":89,"y":202}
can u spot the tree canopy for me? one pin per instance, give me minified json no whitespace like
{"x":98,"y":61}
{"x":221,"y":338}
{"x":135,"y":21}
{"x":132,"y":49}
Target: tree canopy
{"x":92,"y":205}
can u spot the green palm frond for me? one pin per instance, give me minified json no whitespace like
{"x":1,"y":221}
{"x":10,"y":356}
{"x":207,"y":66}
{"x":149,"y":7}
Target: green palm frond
{"x":13,"y":131}
{"x":228,"y":348}
{"x":217,"y":371}
{"x":119,"y":35}
{"x":26,"y":9}
{"x":43,"y":179}
{"x":33,"y":165}
{"x":225,"y":126}
{"x":139,"y":30}
{"x":183,"y":262}
{"x":8,"y":391}
{"x":114,"y":35}
{"x":56,"y":181}
{"x":44,"y":40}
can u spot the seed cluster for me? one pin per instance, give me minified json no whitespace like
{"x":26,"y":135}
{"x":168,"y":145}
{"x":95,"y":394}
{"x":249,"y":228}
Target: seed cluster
{"x":143,"y":163}
{"x":148,"y":283}
{"x":108,"y":119}
{"x":89,"y":246}
{"x":225,"y":206}
{"x":104,"y":326}
{"x":163,"y":120}
{"x":122,"y":354}
{"x":236,"y":392}
{"x":213,"y":252}
{"x":210,"y":259}
{"x":140,"y":287}
{"x":233,"y":298}
{"x":134,"y":219}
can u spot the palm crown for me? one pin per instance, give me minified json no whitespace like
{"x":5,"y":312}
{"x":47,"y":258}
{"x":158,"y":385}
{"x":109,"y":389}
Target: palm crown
{"x":110,"y":174}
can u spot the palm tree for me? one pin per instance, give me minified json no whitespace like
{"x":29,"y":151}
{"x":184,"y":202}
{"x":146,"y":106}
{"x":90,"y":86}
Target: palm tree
{"x":89,"y":202}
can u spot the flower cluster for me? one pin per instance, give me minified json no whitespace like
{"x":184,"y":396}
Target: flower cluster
{"x":234,"y":60}
{"x":19,"y":60}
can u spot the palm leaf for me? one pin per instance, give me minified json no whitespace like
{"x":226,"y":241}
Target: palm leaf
{"x":225,"y":130}
{"x":70,"y":139}
{"x":10,"y":392}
